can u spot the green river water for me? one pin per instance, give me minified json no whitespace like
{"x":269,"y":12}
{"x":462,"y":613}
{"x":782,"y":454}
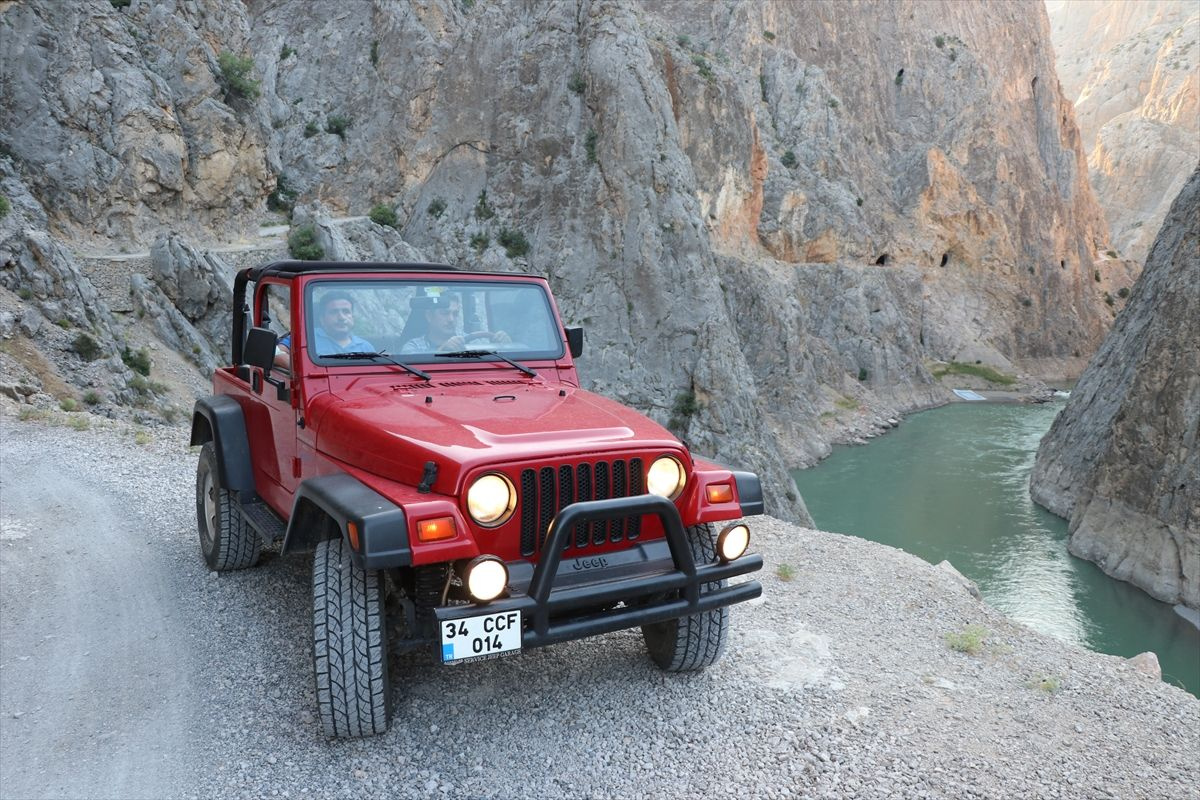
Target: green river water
{"x":953,"y":483}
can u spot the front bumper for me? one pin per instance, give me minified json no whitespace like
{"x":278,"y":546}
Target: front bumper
{"x":657,"y":580}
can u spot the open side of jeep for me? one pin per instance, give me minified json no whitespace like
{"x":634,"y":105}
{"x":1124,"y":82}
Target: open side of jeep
{"x":423,"y":430}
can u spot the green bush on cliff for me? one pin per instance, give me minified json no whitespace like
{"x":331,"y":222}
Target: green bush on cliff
{"x":383,"y":215}
{"x":235,"y":76}
{"x":302,"y":244}
{"x":514,"y":242}
{"x":5,"y":206}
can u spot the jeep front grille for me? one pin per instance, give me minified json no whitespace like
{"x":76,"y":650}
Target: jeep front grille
{"x":546,"y":490}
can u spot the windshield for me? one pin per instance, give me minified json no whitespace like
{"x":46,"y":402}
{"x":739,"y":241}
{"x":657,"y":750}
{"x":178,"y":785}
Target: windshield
{"x":416,"y":320}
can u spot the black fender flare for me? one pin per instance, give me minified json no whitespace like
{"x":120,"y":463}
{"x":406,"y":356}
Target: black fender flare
{"x":219,"y":419}
{"x":325,"y":507}
{"x":750,"y":495}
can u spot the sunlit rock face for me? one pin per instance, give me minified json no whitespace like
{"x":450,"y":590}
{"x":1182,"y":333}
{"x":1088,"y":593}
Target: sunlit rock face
{"x":1122,"y":461}
{"x":769,"y":216}
{"x":1132,"y":68}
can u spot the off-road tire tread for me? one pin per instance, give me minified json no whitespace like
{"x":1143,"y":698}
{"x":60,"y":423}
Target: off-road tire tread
{"x":697,"y":641}
{"x":349,"y":645}
{"x":236,"y":544}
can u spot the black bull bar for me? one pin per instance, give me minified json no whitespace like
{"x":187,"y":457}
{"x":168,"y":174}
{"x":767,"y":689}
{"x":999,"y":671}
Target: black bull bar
{"x":546,"y":610}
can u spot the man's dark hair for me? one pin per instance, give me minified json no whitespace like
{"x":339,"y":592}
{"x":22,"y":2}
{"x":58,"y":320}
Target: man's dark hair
{"x":329,"y":297}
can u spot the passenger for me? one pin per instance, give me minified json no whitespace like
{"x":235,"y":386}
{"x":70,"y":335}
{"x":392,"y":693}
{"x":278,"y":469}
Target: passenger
{"x":334,"y":332}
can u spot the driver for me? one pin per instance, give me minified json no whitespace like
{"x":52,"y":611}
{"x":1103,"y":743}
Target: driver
{"x":442,"y":329}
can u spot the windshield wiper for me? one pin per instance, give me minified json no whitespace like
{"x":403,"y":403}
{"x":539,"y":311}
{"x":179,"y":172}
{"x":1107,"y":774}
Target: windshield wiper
{"x":482,"y":353}
{"x":384,"y":356}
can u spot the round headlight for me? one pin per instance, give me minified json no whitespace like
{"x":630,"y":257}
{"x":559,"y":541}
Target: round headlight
{"x":732,"y":542}
{"x":666,"y":477}
{"x":491,"y":500}
{"x":486,"y":578}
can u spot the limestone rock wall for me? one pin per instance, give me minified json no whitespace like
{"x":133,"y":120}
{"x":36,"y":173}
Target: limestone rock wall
{"x":1132,"y":69}
{"x":1122,"y":461}
{"x":116,"y":121}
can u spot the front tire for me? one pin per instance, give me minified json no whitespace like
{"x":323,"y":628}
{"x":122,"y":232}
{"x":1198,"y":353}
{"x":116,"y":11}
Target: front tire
{"x":697,"y":641}
{"x":349,"y":644}
{"x":226,"y":540}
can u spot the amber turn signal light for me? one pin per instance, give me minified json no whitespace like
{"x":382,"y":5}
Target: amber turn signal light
{"x":352,"y":533}
{"x":720,"y":493}
{"x":433,"y":530}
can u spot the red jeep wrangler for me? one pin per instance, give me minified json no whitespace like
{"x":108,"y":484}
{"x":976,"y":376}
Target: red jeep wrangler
{"x":423,"y":430}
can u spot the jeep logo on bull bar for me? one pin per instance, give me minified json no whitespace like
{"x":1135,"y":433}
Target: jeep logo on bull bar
{"x":589,"y":563}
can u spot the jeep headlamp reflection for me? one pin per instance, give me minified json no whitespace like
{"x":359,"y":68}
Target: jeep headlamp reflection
{"x":491,"y":500}
{"x":666,"y":477}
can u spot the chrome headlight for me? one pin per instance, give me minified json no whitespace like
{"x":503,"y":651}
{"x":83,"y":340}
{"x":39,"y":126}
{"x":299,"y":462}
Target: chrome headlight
{"x":666,"y":477}
{"x":491,"y":500}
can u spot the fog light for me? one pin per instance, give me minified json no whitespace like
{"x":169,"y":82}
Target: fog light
{"x":732,"y":542}
{"x":486,"y":578}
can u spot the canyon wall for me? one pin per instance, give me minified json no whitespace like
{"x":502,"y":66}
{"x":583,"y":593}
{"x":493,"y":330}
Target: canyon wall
{"x":1122,"y":461}
{"x":771,"y":217}
{"x":1132,"y":68}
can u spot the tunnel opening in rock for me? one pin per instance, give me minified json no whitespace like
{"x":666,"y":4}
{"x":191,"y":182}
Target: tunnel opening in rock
{"x":945,"y":259}
{"x":883,"y":260}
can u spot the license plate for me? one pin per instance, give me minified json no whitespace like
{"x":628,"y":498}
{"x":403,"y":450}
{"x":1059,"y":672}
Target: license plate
{"x":484,"y":636}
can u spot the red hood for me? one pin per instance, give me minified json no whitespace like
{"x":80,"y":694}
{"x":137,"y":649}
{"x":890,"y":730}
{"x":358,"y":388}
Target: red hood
{"x":392,"y":430}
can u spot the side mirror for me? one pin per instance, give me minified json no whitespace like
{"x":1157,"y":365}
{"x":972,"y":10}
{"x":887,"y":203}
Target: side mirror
{"x":260,"y":348}
{"x":574,"y":341}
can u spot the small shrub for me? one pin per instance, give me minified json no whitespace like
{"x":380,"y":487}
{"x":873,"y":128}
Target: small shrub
{"x":1108,"y":298}
{"x":436,"y":208}
{"x":1123,"y":292}
{"x":589,"y":144}
{"x":141,"y":437}
{"x":25,"y":293}
{"x":80,"y":423}
{"x":1045,"y":683}
{"x":1025,"y":301}
{"x":683,"y":40}
{"x":480,"y":242}
{"x":833,"y":103}
{"x":858,"y":201}
{"x":577,"y":84}
{"x":940,"y":41}
{"x":119,"y":4}
{"x":286,"y":52}
{"x":283,"y":197}
{"x":382,"y":214}
{"x":68,"y":404}
{"x":954,"y":55}
{"x":863,"y":374}
{"x":900,"y":78}
{"x":1096,"y":275}
{"x":86,"y":347}
{"x":63,"y":323}
{"x":969,"y":640}
{"x":5,"y":206}
{"x":91,"y":397}
{"x":785,"y":572}
{"x":769,"y":36}
{"x":762,"y":86}
{"x":337,"y":125}
{"x":846,"y":403}
{"x":146,"y":389}
{"x":29,"y":412}
{"x":685,"y":405}
{"x":703,"y":67}
{"x":514,"y":242}
{"x":138,"y":361}
{"x":1110,"y":253}
{"x":789,"y":159}
{"x":375,"y":53}
{"x":483,"y":210}
{"x":311,"y":129}
{"x":302,"y":244}
{"x":235,"y":76}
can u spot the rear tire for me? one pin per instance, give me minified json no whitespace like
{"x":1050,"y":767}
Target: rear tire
{"x":697,"y":641}
{"x":226,"y":540}
{"x":349,"y":645}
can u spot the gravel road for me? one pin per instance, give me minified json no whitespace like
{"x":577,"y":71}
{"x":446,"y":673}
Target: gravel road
{"x":128,"y":670}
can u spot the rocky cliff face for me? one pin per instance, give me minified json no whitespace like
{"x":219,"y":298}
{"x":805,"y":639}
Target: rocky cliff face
{"x":770,"y":216}
{"x":1122,"y":460}
{"x":1132,"y":68}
